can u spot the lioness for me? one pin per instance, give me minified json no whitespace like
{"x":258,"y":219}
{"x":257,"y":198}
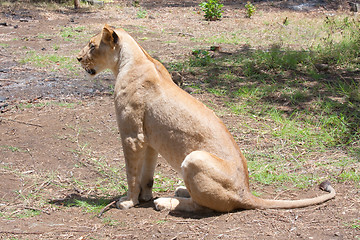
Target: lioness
{"x":155,"y":116}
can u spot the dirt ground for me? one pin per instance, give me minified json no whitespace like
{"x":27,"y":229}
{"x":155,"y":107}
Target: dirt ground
{"x":59,"y":140}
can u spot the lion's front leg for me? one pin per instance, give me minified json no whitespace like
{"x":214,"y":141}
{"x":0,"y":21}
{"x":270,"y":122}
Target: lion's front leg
{"x":134,"y":153}
{"x":147,"y":174}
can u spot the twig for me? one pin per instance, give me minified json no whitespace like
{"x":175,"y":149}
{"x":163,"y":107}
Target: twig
{"x":278,"y":195}
{"x":9,"y":80}
{"x":106,"y":208}
{"x":234,"y":229}
{"x":35,"y":209}
{"x":44,"y":184}
{"x":45,"y":232}
{"x":182,"y":34}
{"x":17,"y":121}
{"x":19,"y":210}
{"x":185,"y":34}
{"x":27,"y":233}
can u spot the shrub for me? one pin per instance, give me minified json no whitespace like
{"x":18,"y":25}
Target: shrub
{"x":212,"y":9}
{"x":250,"y":9}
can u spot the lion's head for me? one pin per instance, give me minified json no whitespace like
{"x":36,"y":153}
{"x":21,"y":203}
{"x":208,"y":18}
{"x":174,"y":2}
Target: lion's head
{"x":101,"y":52}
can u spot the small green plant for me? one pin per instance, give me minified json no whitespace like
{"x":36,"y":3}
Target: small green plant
{"x":356,"y":224}
{"x":159,"y":222}
{"x":27,"y":213}
{"x":12,"y":149}
{"x":250,"y":9}
{"x":201,"y":58}
{"x":142,"y":13}
{"x":212,"y":10}
{"x":217,"y":91}
{"x":109,"y":221}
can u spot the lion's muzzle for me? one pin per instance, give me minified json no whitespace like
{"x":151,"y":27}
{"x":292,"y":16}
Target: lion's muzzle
{"x":90,"y":71}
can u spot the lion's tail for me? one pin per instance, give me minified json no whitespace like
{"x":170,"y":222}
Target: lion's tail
{"x":260,"y":203}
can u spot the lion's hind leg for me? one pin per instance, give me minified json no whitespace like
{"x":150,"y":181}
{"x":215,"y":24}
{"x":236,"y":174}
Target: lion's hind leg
{"x":213,"y":182}
{"x":182,"y":192}
{"x":178,"y":204}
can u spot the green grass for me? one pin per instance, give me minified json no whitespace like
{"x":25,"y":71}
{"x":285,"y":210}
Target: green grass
{"x":92,"y":205}
{"x":53,"y":62}
{"x":44,"y":36}
{"x":72,"y":33}
{"x":217,"y":92}
{"x":27,"y":213}
{"x":111,"y":179}
{"x":170,"y":41}
{"x":22,"y":106}
{"x":159,"y":222}
{"x":141,"y":13}
{"x":302,"y":111}
{"x":355,"y":224}
{"x":110,"y":222}
{"x":269,"y":169}
{"x":164,"y":184}
{"x":12,"y":148}
{"x":22,"y":213}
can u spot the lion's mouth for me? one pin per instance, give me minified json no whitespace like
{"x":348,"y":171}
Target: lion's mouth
{"x":90,"y":71}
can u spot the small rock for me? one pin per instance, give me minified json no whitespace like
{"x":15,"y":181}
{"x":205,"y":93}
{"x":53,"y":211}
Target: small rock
{"x":95,"y":2}
{"x":189,"y":90}
{"x":215,"y":48}
{"x":322,"y":67}
{"x":3,"y":99}
{"x":3,"y":106}
{"x":354,"y":7}
{"x":177,"y":78}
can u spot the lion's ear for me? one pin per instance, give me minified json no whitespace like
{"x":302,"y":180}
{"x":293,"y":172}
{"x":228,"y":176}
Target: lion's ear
{"x":109,"y":36}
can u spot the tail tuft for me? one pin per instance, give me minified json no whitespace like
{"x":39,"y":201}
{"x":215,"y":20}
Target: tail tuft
{"x":326,"y":186}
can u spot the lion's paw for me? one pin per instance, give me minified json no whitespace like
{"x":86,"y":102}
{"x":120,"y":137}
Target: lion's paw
{"x":123,"y":203}
{"x":166,"y":203}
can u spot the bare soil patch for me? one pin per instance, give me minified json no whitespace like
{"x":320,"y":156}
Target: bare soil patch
{"x":59,"y":142}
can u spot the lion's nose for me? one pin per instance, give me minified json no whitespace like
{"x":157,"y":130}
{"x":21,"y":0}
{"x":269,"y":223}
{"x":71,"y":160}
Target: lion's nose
{"x":79,"y":58}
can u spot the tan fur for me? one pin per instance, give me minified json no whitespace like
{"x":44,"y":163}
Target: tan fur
{"x":156,"y":117}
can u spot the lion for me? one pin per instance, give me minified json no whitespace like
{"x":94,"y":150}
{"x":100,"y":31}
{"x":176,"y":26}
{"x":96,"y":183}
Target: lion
{"x":155,"y":116}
